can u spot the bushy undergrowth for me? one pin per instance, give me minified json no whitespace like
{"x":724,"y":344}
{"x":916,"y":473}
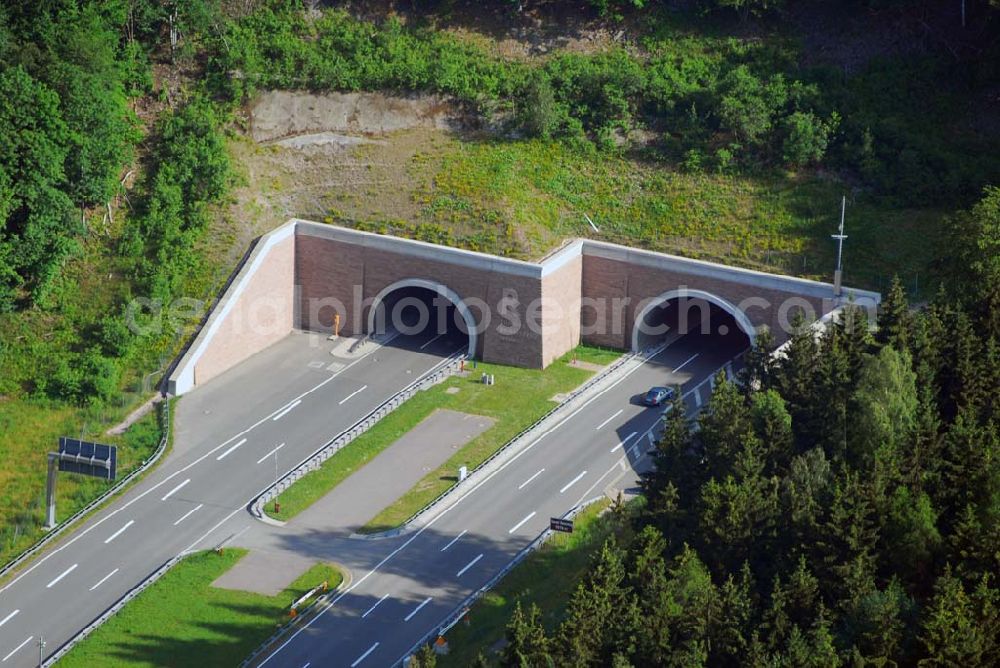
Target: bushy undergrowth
{"x":718,"y":103}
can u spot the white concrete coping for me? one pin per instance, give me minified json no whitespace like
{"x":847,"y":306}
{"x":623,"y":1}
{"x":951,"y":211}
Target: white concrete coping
{"x":761,"y":279}
{"x":418,"y":249}
{"x":574,"y":249}
{"x":182,"y":379}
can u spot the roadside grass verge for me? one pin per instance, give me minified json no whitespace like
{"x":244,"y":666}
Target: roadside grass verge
{"x":181,"y":620}
{"x":521,"y":198}
{"x":546,"y":577}
{"x":32,"y":428}
{"x":519,"y":397}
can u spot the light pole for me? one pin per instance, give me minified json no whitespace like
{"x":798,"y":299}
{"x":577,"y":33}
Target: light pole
{"x":840,"y":236}
{"x":41,"y":650}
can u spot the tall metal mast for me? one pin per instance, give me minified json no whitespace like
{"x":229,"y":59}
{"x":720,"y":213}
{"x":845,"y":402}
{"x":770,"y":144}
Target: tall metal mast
{"x":840,"y":236}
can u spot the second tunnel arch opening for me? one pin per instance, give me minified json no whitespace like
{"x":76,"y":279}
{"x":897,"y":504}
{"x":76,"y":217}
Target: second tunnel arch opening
{"x":692,"y":313}
{"x":424,"y":309}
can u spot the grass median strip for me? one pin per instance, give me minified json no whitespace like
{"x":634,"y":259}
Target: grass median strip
{"x":546,"y":577}
{"x":182,"y":620}
{"x":519,"y":397}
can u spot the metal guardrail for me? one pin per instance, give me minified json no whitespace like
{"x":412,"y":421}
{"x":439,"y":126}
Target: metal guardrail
{"x":601,"y":377}
{"x":113,"y":610}
{"x":311,"y":463}
{"x":463,"y":608}
{"x":290,"y":624}
{"x":118,"y":487}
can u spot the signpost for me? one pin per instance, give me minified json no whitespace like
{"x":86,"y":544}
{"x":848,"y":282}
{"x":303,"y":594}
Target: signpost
{"x":560,"y":524}
{"x":76,"y":456}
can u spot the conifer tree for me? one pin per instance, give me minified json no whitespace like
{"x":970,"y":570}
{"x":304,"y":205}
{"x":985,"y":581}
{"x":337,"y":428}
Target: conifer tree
{"x":674,"y":462}
{"x":724,"y":427}
{"x":424,"y":658}
{"x":758,"y":369}
{"x":648,"y":578}
{"x":773,"y":425}
{"x":958,"y":629}
{"x":527,"y":646}
{"x":793,"y":377}
{"x":894,"y":320}
{"x":585,"y":637}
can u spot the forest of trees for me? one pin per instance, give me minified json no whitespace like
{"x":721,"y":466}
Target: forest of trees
{"x":838,"y":504}
{"x":70,"y":73}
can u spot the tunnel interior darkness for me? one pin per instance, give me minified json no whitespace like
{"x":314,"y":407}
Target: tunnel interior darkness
{"x":419,"y":311}
{"x":694,"y":316}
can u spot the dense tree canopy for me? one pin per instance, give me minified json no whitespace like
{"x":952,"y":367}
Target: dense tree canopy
{"x":839,"y":506}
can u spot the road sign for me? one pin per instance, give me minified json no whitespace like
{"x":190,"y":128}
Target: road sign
{"x":83,"y":457}
{"x":559,"y":524}
{"x":86,"y":458}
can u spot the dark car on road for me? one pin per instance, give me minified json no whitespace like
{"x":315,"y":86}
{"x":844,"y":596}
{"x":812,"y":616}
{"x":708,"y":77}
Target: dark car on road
{"x":657,"y":396}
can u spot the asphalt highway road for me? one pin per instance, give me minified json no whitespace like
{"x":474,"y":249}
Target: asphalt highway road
{"x":423,"y":576}
{"x":268,"y":413}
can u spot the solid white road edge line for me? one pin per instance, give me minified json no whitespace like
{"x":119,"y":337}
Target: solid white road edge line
{"x":286,"y":410}
{"x":418,"y":608}
{"x":369,"y":610}
{"x":270,"y":453}
{"x":521,"y":523}
{"x":175,"y":490}
{"x":454,"y":540}
{"x":572,"y":482}
{"x":119,"y":532}
{"x":468,"y":566}
{"x":364,"y":656}
{"x":15,"y":650}
{"x":525,"y":483}
{"x":188,"y":514}
{"x":60,"y":577}
{"x":348,"y":397}
{"x":601,"y":426}
{"x":9,"y":617}
{"x":230,"y":449}
{"x":103,"y":580}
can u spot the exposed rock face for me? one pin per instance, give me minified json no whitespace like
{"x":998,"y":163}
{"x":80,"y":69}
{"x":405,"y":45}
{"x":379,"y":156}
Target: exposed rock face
{"x":280,"y":114}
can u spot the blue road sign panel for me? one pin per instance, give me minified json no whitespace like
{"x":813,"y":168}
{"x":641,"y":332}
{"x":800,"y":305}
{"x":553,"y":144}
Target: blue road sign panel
{"x":86,"y":458}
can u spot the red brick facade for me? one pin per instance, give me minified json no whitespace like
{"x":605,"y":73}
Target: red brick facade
{"x":527,"y":314}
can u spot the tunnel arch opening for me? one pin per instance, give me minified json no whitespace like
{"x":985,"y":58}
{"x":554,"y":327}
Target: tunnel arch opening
{"x":413,"y":305}
{"x":689,"y":311}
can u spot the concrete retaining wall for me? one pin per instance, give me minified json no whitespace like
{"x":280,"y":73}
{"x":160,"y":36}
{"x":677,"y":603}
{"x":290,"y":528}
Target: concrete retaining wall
{"x":255,"y":312}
